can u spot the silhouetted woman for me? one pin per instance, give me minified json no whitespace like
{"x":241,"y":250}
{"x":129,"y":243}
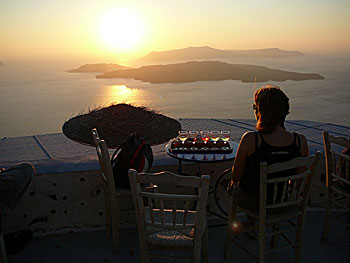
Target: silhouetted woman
{"x":271,"y":143}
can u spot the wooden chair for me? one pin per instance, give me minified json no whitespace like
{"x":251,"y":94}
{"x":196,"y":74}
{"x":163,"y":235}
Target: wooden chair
{"x":287,"y":203}
{"x":337,"y":188}
{"x":114,"y":215}
{"x":171,"y":221}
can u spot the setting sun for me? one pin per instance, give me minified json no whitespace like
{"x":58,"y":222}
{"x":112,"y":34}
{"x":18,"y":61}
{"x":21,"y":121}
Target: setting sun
{"x":121,"y":28}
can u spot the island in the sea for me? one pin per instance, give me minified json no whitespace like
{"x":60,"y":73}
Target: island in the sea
{"x":205,"y":53}
{"x":206,"y":71}
{"x":98,"y":67}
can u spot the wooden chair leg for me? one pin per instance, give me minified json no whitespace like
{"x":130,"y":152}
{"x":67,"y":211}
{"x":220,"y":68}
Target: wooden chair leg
{"x":115,"y":233}
{"x":196,"y":252}
{"x":262,"y":242}
{"x":108,"y":218}
{"x":3,"y":256}
{"x":205,"y":247}
{"x":228,"y":247}
{"x":143,"y":252}
{"x":327,"y":217}
{"x":229,"y":230}
{"x":348,"y":221}
{"x":299,"y":233}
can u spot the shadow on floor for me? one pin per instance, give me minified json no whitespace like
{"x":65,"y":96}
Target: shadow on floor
{"x":93,"y":245}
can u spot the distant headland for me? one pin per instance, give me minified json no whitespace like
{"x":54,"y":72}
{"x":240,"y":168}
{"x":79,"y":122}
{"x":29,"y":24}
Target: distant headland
{"x":1,"y":63}
{"x":98,"y":67}
{"x":205,"y":52}
{"x":206,"y":71}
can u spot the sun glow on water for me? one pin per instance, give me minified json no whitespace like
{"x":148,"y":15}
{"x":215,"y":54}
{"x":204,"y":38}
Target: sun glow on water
{"x":115,"y":94}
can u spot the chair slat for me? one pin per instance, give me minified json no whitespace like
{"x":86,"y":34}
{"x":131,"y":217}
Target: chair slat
{"x":297,"y":162}
{"x":347,"y":171}
{"x":334,"y":162}
{"x":291,"y":177}
{"x":274,"y":198}
{"x":283,"y":195}
{"x":170,"y":226}
{"x":293,"y":187}
{"x":301,"y":187}
{"x":337,"y":177}
{"x":339,"y":154}
{"x":174,"y":213}
{"x":341,"y":205}
{"x":162,"y":210}
{"x":285,"y":204}
{"x":342,"y":141}
{"x":282,"y":231}
{"x":171,"y":179}
{"x":171,"y":196}
{"x":187,"y":204}
{"x":150,"y":208}
{"x":341,"y":191}
{"x":269,"y":251}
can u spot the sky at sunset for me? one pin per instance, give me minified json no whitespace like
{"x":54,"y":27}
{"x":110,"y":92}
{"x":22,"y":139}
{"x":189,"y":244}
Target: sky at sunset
{"x":90,"y":28}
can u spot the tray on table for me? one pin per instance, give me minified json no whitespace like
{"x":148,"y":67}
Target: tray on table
{"x":199,"y":147}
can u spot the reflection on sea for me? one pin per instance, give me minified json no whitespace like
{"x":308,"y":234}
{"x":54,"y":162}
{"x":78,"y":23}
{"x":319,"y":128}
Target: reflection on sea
{"x":114,"y":94}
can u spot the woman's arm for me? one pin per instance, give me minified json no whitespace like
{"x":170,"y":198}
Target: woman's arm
{"x":244,"y":149}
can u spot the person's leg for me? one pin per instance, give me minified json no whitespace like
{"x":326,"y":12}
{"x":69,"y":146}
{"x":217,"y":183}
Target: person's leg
{"x":250,"y":203}
{"x":13,"y":182}
{"x":3,"y":256}
{"x":246,"y":201}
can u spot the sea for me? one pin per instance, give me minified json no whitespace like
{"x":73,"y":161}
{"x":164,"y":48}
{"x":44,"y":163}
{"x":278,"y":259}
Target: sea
{"x":37,"y":97}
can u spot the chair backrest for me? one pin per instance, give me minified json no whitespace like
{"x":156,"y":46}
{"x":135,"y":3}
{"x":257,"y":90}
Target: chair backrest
{"x":168,"y":211}
{"x":105,"y":165}
{"x":287,"y":191}
{"x":335,"y":158}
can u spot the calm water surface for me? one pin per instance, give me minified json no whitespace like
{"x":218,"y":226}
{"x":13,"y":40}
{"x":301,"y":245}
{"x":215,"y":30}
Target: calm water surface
{"x":39,"y":99}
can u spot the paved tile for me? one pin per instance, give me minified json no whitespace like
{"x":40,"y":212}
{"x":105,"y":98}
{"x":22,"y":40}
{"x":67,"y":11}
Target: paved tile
{"x":21,"y":149}
{"x":335,"y":130}
{"x":303,"y":123}
{"x":59,"y":146}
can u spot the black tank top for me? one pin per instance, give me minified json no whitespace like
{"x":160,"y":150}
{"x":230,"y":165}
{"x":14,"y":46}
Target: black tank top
{"x":250,"y":181}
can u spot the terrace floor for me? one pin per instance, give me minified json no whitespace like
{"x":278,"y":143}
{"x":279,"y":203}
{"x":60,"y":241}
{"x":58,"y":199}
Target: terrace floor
{"x":92,"y":245}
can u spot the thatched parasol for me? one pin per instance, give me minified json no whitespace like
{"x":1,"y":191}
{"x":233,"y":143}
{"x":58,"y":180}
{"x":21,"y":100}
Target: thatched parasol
{"x":116,"y":122}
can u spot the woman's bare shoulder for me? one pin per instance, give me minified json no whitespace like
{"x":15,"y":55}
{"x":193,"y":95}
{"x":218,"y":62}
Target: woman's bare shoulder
{"x":248,"y":136}
{"x":248,"y":140}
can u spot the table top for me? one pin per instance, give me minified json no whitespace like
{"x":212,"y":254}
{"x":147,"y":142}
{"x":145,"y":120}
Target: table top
{"x":203,"y":156}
